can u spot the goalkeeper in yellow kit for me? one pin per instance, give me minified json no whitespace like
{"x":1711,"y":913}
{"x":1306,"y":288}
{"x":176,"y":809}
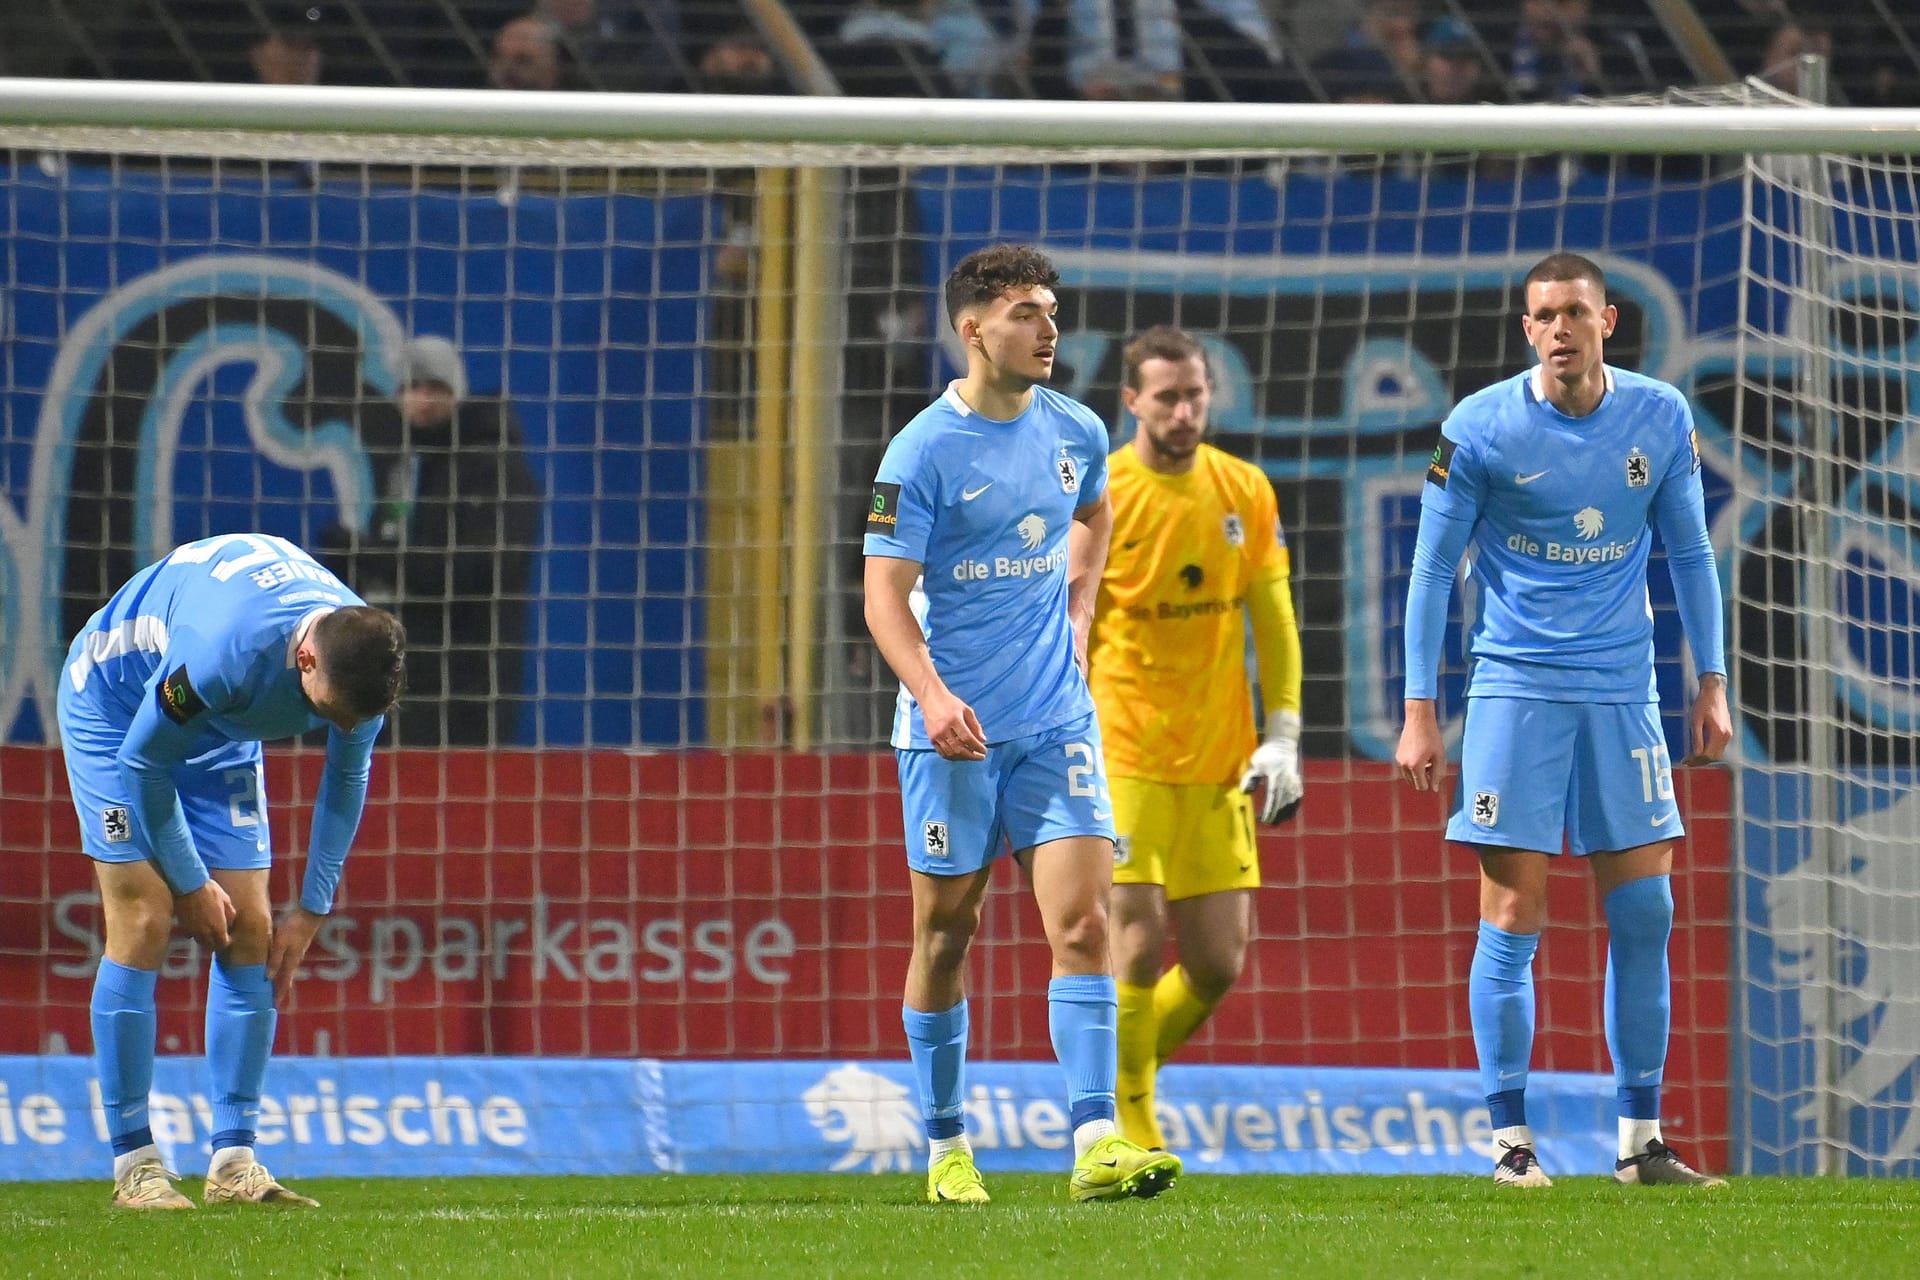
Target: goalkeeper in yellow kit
{"x":1197,"y":551}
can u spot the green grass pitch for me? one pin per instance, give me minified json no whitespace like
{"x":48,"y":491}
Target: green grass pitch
{"x":770,"y":1226}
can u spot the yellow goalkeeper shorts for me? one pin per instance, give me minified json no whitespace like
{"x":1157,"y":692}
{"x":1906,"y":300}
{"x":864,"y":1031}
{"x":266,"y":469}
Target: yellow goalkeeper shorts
{"x":1191,"y":840}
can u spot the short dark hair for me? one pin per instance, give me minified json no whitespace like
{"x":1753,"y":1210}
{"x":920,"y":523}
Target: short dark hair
{"x":1162,"y":342}
{"x":363,"y":653}
{"x":985,"y":274}
{"x":1556,"y":267}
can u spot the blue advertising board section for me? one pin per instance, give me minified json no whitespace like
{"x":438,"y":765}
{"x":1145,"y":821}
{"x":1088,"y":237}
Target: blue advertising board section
{"x":189,"y":355}
{"x":416,"y":1117}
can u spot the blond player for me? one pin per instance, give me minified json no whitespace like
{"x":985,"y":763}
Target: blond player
{"x":1197,"y":551}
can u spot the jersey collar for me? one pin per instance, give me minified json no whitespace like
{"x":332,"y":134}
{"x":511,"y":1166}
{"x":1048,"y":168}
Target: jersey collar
{"x":301,"y":628}
{"x":1537,"y":385}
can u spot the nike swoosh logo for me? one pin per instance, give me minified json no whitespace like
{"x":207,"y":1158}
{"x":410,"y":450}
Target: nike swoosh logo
{"x":1135,"y":1097}
{"x":1520,"y":479}
{"x":1128,"y":546}
{"x":1661,"y":822}
{"x":1108,"y":1164}
{"x":1245,"y":867}
{"x":968,"y":495}
{"x":1648,"y":1075}
{"x":1100,"y":817}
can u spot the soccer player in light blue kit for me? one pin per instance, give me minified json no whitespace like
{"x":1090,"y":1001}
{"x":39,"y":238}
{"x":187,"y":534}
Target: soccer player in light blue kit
{"x":1554,"y":479}
{"x":985,"y":544}
{"x":164,"y":701}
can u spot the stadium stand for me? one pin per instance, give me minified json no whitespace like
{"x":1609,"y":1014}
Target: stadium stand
{"x":1224,"y":55}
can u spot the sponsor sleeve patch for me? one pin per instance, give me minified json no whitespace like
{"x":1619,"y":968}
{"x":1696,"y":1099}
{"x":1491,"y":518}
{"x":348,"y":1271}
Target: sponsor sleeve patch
{"x":1693,"y":441}
{"x":179,"y":700}
{"x":1441,"y":463}
{"x":883,"y":513}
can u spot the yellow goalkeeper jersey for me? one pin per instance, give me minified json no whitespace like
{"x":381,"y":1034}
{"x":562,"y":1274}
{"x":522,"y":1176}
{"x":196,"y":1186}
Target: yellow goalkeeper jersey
{"x":1168,"y":658}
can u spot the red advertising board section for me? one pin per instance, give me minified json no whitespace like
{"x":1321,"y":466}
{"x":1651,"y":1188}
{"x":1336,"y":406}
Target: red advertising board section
{"x":756,"y":905}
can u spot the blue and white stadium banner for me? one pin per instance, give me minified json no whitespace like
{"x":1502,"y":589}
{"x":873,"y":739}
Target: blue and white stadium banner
{"x":416,"y":1117}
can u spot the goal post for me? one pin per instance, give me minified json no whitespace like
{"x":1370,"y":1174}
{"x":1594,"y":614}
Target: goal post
{"x":640,"y":806}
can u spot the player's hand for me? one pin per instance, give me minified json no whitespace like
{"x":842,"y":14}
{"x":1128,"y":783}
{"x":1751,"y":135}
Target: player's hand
{"x":1710,"y":726}
{"x":1422,"y":755}
{"x":953,"y":729}
{"x":207,"y":915}
{"x":293,"y":933}
{"x":1276,"y":765}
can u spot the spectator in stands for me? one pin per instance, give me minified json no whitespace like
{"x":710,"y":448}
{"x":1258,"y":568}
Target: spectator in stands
{"x":1792,"y":40}
{"x":450,"y":549}
{"x":1624,"y":62}
{"x":1889,"y":83}
{"x":1379,"y":58}
{"x":1552,"y":57}
{"x":1742,"y":27}
{"x":1452,"y":72}
{"x":739,"y":63}
{"x":1150,"y":65}
{"x":1359,"y":75}
{"x":952,"y":35}
{"x":526,"y":55}
{"x":289,"y":53}
{"x":619,"y":45}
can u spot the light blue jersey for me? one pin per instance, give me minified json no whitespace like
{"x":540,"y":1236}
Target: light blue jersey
{"x":985,"y":508}
{"x":194,"y":655}
{"x":1559,"y":512}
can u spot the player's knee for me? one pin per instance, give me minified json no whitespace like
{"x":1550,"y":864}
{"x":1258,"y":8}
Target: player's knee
{"x":1082,"y":932}
{"x":1213,"y":975}
{"x":1514,"y":912}
{"x":249,"y":937}
{"x":943,"y":942}
{"x":138,"y":930}
{"x":1137,"y":948}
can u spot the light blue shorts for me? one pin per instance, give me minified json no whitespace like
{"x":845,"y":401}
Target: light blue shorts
{"x":1533,"y":772}
{"x":962,"y":814}
{"x":223,"y":793}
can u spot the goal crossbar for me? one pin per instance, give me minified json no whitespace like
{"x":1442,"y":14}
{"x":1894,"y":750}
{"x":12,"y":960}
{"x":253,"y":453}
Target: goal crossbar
{"x":178,"y":118}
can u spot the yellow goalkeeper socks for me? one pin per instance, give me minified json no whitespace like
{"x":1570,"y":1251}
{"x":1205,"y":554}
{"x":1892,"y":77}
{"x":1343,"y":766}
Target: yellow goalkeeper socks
{"x":1133,"y":1083}
{"x":1177,"y":1012}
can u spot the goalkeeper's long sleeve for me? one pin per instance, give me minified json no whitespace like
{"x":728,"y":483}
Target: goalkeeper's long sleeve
{"x":1276,"y":641}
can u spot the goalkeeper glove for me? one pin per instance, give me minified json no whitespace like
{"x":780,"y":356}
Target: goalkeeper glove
{"x":1277,"y":763}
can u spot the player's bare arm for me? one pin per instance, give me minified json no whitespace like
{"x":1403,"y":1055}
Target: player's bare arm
{"x":1422,"y":755}
{"x":952,"y":727}
{"x":1087,"y":545}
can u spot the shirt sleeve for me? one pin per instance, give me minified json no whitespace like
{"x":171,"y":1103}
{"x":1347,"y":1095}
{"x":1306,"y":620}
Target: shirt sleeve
{"x":1449,"y":509}
{"x":169,"y":727}
{"x":900,"y":517}
{"x":1094,"y":483}
{"x":1276,"y":631}
{"x":1680,"y":514}
{"x":336,"y":812}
